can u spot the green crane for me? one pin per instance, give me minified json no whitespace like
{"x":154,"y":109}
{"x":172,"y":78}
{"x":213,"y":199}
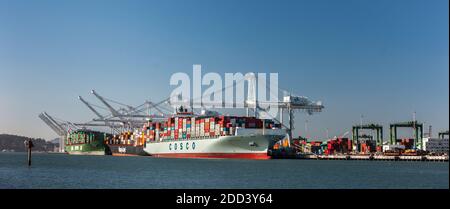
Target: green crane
{"x":378,"y":128}
{"x":442,"y":134}
{"x":418,"y":131}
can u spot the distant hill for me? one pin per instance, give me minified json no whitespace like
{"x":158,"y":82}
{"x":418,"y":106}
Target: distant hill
{"x":15,"y":143}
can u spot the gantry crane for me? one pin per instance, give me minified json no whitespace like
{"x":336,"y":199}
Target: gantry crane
{"x":114,"y":121}
{"x":60,"y":128}
{"x":114,"y":112}
{"x":290,"y":102}
{"x":416,"y":126}
{"x":443,"y":134}
{"x":130,"y":116}
{"x":378,"y":128}
{"x":91,"y":108}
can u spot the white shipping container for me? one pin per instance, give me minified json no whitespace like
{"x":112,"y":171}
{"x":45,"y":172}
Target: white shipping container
{"x":392,"y":147}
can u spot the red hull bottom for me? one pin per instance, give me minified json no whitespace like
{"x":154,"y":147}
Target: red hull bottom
{"x":256,"y":156}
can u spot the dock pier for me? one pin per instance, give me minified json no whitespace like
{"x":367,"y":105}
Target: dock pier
{"x":366,"y":157}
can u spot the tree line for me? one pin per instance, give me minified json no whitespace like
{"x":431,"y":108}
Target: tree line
{"x":15,"y":143}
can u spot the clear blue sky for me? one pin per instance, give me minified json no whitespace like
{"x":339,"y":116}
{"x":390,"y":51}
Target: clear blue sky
{"x":380,"y":58}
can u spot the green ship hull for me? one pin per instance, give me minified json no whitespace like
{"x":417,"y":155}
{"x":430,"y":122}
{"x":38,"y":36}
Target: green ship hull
{"x":85,"y":142}
{"x":87,"y":149}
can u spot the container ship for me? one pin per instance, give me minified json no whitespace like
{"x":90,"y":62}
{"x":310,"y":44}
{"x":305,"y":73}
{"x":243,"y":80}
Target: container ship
{"x":186,"y":135}
{"x":127,"y":144}
{"x":86,"y":142}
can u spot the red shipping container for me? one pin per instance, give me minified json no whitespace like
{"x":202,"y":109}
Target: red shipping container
{"x":364,"y":148}
{"x":259,"y":123}
{"x":379,"y":149}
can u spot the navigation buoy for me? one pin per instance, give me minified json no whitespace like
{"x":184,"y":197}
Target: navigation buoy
{"x":28,"y":145}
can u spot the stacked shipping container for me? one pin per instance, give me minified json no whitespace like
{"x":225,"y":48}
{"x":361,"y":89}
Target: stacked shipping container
{"x":367,"y":146}
{"x":127,"y":138}
{"x":82,"y":137}
{"x":408,"y":143}
{"x":186,"y":127}
{"x":340,"y":145}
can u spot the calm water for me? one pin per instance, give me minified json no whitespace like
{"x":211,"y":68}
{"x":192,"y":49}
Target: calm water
{"x":66,"y":171}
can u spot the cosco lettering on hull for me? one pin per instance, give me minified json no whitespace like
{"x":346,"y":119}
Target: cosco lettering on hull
{"x":182,"y":146}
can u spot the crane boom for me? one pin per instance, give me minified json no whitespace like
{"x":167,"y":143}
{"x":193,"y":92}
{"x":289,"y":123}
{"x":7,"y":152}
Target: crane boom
{"x":53,"y":126}
{"x":316,"y":107}
{"x":290,"y":103}
{"x":60,"y":127}
{"x":113,"y":111}
{"x":91,"y":108}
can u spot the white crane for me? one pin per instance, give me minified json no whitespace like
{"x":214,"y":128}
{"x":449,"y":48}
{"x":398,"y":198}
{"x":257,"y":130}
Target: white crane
{"x":61,"y":128}
{"x":114,"y":112}
{"x":91,"y":108}
{"x":291,"y":103}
